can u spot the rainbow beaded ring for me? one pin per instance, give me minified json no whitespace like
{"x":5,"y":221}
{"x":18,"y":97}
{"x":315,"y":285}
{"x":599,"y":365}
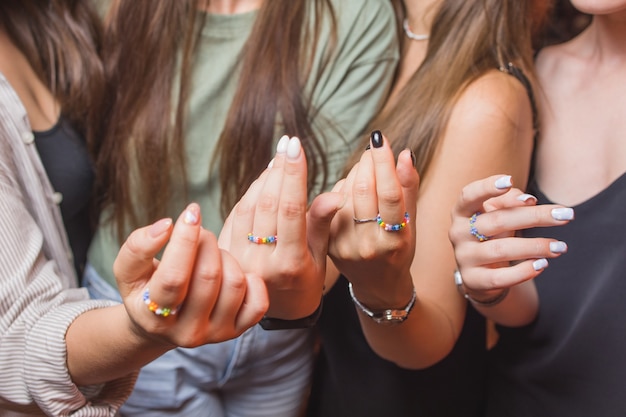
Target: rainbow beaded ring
{"x":262,"y":240}
{"x":157,"y":309}
{"x":474,"y":231}
{"x":393,"y":227}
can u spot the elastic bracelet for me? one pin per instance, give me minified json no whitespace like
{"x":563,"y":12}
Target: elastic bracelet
{"x":270,"y":323}
{"x":482,"y":303}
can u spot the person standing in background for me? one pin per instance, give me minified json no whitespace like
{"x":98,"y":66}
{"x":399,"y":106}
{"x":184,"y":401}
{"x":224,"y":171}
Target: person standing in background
{"x":200,"y":92}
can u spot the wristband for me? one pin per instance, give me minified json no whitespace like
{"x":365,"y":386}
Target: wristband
{"x":385,"y":317}
{"x":270,"y":323}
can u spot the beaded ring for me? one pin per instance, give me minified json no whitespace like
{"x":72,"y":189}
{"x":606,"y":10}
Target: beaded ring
{"x":474,"y":231}
{"x":393,"y":227}
{"x":262,"y":240}
{"x":157,"y":309}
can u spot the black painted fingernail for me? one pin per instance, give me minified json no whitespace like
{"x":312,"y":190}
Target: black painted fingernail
{"x":413,"y":159}
{"x":377,"y":139}
{"x":368,"y":147}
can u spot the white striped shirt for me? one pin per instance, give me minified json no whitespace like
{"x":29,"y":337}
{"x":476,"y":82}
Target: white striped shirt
{"x":38,"y":294}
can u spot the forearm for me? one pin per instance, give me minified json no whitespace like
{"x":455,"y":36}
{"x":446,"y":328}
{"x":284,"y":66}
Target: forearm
{"x":102,"y":347}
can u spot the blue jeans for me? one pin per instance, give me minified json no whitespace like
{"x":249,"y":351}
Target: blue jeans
{"x":259,"y":374}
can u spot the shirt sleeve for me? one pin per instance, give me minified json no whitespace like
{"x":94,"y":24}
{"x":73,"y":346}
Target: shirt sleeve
{"x":354,"y":86}
{"x":36,"y":311}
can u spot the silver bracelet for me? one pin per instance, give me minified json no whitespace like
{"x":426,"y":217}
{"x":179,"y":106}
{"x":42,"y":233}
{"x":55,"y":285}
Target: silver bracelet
{"x":458,"y":280}
{"x":388,"y":316}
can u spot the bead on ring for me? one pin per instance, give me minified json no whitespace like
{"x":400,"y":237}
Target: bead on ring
{"x":262,"y":240}
{"x":360,"y":221}
{"x":157,"y":309}
{"x":474,"y":232}
{"x":393,"y":227}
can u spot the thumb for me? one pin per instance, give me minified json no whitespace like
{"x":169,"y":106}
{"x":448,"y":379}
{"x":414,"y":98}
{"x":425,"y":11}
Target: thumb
{"x":135,"y":259}
{"x":320,"y":215}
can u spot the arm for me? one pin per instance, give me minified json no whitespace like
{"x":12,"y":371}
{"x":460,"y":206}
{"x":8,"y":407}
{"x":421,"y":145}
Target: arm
{"x":504,"y":262}
{"x":490,"y":129}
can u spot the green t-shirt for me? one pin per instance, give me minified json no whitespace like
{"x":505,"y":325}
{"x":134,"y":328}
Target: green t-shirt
{"x":349,"y":92}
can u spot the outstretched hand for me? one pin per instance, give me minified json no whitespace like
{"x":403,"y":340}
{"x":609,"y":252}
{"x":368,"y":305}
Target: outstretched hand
{"x":196,"y":294}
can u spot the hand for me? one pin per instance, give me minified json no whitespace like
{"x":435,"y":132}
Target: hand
{"x":215,"y":300}
{"x":275,"y":207}
{"x":503,"y":260}
{"x":377,"y":261}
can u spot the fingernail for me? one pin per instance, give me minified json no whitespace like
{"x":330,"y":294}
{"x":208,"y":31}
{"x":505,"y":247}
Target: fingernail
{"x":413,"y":158}
{"x":558,"y":247}
{"x":526,"y":197}
{"x":368,"y":147}
{"x":540,"y":264}
{"x":503,"y":182}
{"x":563,"y":213}
{"x":293,"y":148}
{"x":160,"y":227}
{"x":281,"y":147}
{"x":192,"y":214}
{"x":271,"y":164}
{"x":376,"y":138}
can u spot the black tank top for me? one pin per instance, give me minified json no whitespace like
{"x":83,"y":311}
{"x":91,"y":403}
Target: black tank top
{"x":571,"y":362}
{"x":64,"y":156}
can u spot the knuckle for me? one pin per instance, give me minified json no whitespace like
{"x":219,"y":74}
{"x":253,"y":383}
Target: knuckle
{"x":292,"y":210}
{"x":267,"y":203}
{"x":391,"y":196}
{"x":361,"y":189}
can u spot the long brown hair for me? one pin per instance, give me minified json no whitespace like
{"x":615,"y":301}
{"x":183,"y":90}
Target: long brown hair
{"x":61,"y":40}
{"x":467,"y":39}
{"x":141,"y":49}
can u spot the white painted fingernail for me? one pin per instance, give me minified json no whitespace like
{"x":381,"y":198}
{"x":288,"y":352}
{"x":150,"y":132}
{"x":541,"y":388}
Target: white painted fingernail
{"x":503,"y":182}
{"x":281,"y":147}
{"x":192,"y":214}
{"x":293,"y":148}
{"x":558,"y":247}
{"x":271,"y":164}
{"x":525,"y":197}
{"x":540,"y":264}
{"x":563,"y":213}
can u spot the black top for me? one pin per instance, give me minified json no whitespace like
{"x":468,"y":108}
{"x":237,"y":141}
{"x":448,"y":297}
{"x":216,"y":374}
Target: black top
{"x":572,"y":360}
{"x":351,"y":380}
{"x":64,"y":156}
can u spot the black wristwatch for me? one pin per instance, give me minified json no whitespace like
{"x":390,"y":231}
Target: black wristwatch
{"x":270,"y":323}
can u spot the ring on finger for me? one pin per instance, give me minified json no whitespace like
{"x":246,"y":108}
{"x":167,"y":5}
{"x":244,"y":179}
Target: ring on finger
{"x":360,"y":221}
{"x":473,"y":231}
{"x":156,"y":308}
{"x":262,"y":240}
{"x":393,"y":227}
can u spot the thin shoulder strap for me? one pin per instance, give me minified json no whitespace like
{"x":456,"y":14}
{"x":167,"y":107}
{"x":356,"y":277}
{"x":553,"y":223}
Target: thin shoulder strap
{"x":519,"y":74}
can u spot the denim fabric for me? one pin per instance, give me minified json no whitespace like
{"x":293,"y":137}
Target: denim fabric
{"x":259,"y":374}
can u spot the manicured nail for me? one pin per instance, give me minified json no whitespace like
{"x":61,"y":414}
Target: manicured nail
{"x":293,"y":148}
{"x":504,"y":182}
{"x":160,"y":227}
{"x":281,"y":147}
{"x":413,"y":158}
{"x":376,"y":139}
{"x":525,"y":197}
{"x":192,"y":214}
{"x":558,"y":247}
{"x":563,"y":213}
{"x":368,"y":147}
{"x":271,"y":164}
{"x":540,"y":264}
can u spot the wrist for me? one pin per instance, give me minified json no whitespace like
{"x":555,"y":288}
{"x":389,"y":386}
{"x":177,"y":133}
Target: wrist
{"x":386,"y":316}
{"x":487,"y":298}
{"x":272,"y":323}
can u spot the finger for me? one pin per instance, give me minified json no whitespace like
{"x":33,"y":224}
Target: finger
{"x":255,"y":303}
{"x":241,"y":219}
{"x":231,"y":295}
{"x":266,"y":210}
{"x":206,"y":278}
{"x":391,"y":205}
{"x":292,"y":209}
{"x":320,"y":216}
{"x":476,"y":193}
{"x":497,"y":278}
{"x":518,"y":218}
{"x":409,"y":180}
{"x":512,"y":249}
{"x":363,"y":188}
{"x":512,"y":198}
{"x":169,"y":283}
{"x":135,"y":261}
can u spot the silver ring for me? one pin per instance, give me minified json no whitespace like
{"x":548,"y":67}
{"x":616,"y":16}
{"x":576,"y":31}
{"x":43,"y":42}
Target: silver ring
{"x":359,"y":221}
